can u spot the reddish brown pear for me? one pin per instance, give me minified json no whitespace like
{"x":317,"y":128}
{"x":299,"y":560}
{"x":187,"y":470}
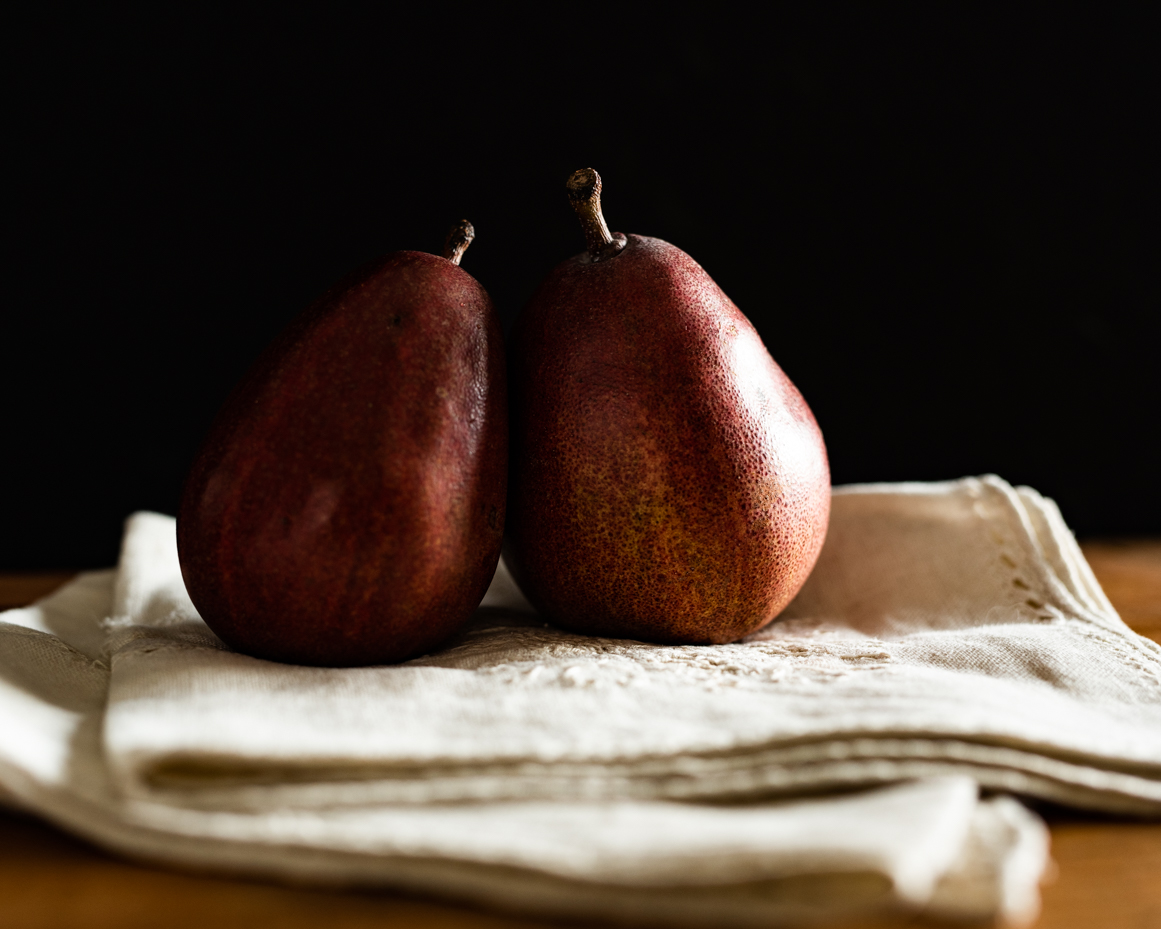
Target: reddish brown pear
{"x":668,"y":482}
{"x":347,"y":506}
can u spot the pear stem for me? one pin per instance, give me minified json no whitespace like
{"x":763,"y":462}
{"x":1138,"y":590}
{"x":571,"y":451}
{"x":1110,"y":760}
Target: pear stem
{"x":458,"y":240}
{"x":584,"y":193}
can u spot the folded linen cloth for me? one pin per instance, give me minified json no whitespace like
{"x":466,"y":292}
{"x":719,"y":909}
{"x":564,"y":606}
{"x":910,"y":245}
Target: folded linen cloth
{"x":948,"y":628}
{"x":950,"y":632}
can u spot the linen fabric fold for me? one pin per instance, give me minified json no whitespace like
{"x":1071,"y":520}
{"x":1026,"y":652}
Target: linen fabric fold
{"x":951,"y":636}
{"x":948,"y":628}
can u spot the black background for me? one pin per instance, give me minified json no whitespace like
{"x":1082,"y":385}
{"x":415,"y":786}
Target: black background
{"x":942,"y":224}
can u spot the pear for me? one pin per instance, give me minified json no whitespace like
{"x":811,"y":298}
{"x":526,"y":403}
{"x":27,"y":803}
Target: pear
{"x":667,"y":481}
{"x":347,"y":507}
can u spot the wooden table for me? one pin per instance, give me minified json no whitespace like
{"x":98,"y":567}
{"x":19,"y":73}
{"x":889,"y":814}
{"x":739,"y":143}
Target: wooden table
{"x":1109,"y":871}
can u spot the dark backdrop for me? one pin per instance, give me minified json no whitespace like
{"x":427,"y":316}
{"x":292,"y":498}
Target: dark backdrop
{"x":940,"y":223}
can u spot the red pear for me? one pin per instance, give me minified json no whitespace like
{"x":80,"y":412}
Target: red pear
{"x":347,"y":506}
{"x":668,"y":482}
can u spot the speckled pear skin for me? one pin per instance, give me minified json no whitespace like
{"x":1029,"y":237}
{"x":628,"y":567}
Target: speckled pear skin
{"x":347,"y":507}
{"x":668,"y":482}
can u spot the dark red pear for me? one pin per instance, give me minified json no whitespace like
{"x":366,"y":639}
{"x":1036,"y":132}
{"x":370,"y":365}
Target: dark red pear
{"x":668,"y":482}
{"x":347,"y":506}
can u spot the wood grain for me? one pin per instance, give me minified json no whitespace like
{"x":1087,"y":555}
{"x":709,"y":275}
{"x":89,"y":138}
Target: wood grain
{"x":1130,"y":573}
{"x":1108,"y":871}
{"x":22,"y":589}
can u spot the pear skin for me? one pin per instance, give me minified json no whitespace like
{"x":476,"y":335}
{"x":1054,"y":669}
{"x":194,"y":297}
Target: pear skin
{"x":668,"y":482}
{"x":348,"y":505}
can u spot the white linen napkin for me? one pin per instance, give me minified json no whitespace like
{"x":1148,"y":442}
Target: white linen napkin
{"x":948,"y":628}
{"x":951,"y":635}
